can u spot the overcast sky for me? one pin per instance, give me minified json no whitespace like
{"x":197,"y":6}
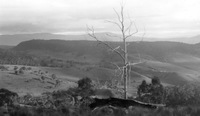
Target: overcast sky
{"x":161,"y":18}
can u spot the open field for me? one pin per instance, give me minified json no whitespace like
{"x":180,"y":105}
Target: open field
{"x":30,"y":82}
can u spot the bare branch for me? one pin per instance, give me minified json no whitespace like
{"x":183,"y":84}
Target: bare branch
{"x":116,"y":48}
{"x":135,"y":27}
{"x":113,"y":22}
{"x":119,"y":18}
{"x":111,"y":35}
{"x":122,"y":14}
{"x":118,"y":69}
{"x":143,"y":33}
{"x":116,"y":66}
{"x":91,"y":33}
{"x":119,"y":48}
{"x":130,"y":25}
{"x":131,"y":34}
{"x":132,"y":64}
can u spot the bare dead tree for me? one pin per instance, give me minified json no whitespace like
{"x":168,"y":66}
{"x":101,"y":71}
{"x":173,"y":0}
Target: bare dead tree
{"x":126,"y":32}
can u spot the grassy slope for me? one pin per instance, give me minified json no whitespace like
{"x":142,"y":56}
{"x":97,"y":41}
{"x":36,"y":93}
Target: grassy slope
{"x":69,"y":76}
{"x":172,"y":73}
{"x":29,"y":82}
{"x":168,"y":73}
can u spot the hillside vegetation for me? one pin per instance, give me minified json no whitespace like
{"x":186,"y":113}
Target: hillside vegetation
{"x":174,"y":63}
{"x":173,"y":60}
{"x":47,"y":77}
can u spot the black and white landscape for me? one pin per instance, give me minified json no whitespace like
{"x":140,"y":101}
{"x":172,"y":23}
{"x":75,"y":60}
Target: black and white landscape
{"x":113,"y":58}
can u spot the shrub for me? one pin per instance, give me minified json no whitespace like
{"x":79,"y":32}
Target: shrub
{"x":7,"y":96}
{"x":23,"y":68}
{"x":172,"y":95}
{"x":53,"y":76}
{"x":29,"y":68}
{"x":85,"y":83}
{"x":151,"y":93}
{"x":15,"y":67}
{"x":3,"y":68}
{"x":183,"y":95}
{"x":105,"y":111}
{"x":16,"y":72}
{"x":21,"y":72}
{"x":155,"y":81}
{"x":85,"y":87}
{"x":143,"y":88}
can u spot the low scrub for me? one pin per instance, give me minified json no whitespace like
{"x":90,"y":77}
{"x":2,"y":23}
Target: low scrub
{"x":172,"y":96}
{"x":183,"y":95}
{"x":104,"y":111}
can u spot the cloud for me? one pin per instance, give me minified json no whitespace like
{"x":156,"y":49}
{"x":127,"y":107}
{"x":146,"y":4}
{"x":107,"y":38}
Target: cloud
{"x":20,"y":28}
{"x":159,"y":17}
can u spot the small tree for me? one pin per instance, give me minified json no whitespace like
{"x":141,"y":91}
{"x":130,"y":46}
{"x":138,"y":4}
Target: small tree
{"x":21,"y":71}
{"x":155,"y":81}
{"x":53,"y":76}
{"x":85,"y":87}
{"x":15,"y":67}
{"x":85,"y":83}
{"x":151,"y":93}
{"x":143,"y":88}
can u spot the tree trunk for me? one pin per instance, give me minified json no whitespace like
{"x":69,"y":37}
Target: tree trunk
{"x":125,"y":82}
{"x":125,"y":57}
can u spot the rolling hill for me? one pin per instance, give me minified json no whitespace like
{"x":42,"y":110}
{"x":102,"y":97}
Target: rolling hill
{"x":174,"y":63}
{"x":161,"y":51}
{"x":15,"y":39}
{"x":18,"y":38}
{"x":169,"y":60}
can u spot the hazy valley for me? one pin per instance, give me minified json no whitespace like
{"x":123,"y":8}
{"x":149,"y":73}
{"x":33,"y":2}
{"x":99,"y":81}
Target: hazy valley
{"x":173,"y":62}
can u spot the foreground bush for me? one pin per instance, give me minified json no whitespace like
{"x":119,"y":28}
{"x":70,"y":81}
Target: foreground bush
{"x":105,"y":111}
{"x":151,"y":93}
{"x":3,"y":68}
{"x":172,"y":96}
{"x":7,"y":97}
{"x":183,"y":95}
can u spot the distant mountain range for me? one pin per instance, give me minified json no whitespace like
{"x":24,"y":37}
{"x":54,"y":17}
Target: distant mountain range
{"x":17,"y":38}
{"x":159,"y":51}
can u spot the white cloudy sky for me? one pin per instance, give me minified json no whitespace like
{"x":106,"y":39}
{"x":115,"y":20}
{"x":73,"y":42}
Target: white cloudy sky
{"x":161,"y":18}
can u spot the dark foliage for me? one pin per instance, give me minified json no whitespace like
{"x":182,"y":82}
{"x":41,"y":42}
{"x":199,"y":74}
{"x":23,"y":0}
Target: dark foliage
{"x":155,"y":81}
{"x":187,"y":96}
{"x":85,"y":87}
{"x":3,"y":68}
{"x":85,"y":83}
{"x":183,"y":95}
{"x":16,"y":57}
{"x":123,"y":103}
{"x":7,"y":97}
{"x":104,"y":111}
{"x":172,"y":96}
{"x":151,"y":93}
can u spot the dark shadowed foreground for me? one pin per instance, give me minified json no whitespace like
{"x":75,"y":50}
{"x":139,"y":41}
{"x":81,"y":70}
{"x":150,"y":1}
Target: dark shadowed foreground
{"x":123,"y":103}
